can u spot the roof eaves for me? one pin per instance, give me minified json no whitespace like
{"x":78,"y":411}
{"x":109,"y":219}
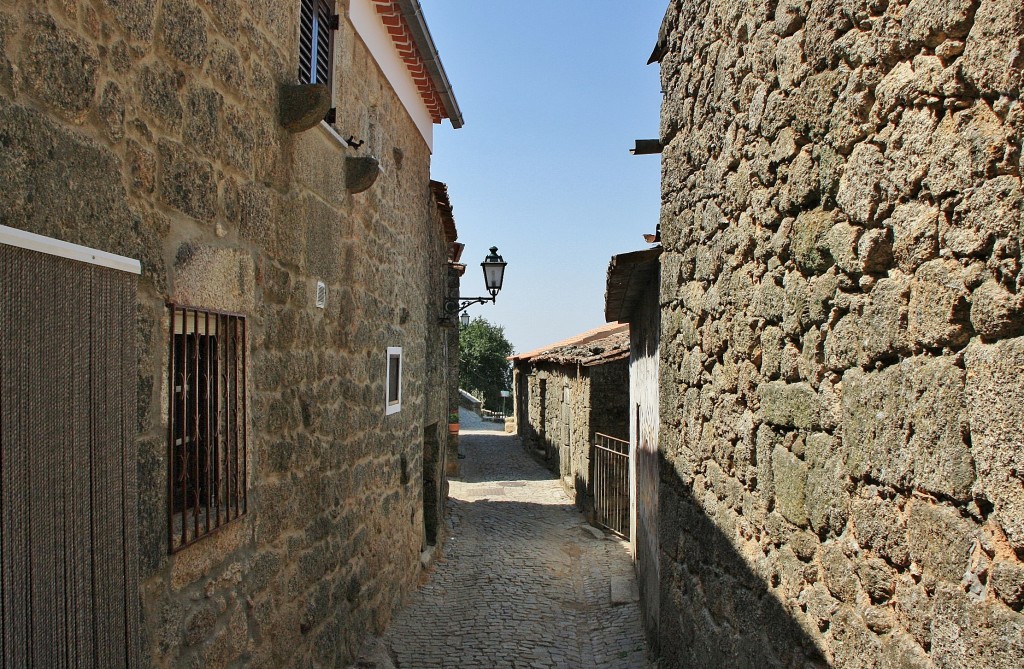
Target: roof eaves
{"x":413,"y":14}
{"x":606,"y":357}
{"x":599,"y":352}
{"x":661,"y":47}
{"x":582,"y":338}
{"x":573,"y":355}
{"x":628,"y":275}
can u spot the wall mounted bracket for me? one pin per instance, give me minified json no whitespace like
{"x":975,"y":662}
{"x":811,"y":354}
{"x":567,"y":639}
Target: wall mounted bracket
{"x":455,"y":307}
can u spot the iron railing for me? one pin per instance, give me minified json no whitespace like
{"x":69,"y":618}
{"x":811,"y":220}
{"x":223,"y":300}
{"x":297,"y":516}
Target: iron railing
{"x":611,"y":483}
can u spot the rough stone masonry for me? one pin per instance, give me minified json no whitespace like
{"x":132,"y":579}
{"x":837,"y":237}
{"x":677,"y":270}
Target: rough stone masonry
{"x":842,"y":361}
{"x":149,"y":129}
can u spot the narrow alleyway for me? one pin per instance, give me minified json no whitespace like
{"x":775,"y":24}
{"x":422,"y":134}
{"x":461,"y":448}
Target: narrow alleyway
{"x":522,"y":583}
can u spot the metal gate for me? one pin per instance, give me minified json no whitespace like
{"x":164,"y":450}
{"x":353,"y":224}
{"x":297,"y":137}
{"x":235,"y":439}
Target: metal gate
{"x":611,"y":483}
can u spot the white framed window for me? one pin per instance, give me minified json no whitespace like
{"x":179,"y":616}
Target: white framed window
{"x":317,"y":25}
{"x":393,"y":387}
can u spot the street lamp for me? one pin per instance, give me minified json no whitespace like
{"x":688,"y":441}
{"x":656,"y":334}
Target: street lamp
{"x":494,"y":275}
{"x":494,"y":272}
{"x":465,"y":319}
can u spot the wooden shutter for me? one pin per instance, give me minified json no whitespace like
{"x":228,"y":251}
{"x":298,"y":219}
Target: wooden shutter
{"x":317,"y":23}
{"x":307,"y":13}
{"x":323,"y":43}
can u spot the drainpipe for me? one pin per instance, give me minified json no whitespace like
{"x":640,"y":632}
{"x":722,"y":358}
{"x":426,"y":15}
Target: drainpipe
{"x":413,"y":15}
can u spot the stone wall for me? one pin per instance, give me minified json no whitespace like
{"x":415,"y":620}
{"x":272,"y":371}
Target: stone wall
{"x":560,"y":433}
{"x":441,"y":378}
{"x":521,"y":405}
{"x":560,"y":443}
{"x":842,"y":354}
{"x":452,"y":457}
{"x":609,"y":406}
{"x":529,"y":416}
{"x":149,"y":129}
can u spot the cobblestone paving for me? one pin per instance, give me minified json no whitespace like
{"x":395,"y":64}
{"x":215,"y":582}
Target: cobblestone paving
{"x":521,"y":583}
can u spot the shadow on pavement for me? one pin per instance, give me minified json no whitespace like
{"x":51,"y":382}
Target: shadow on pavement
{"x":717,"y":608}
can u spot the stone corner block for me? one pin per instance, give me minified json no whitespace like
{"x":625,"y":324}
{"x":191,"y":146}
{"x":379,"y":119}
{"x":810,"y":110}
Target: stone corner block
{"x":790,"y":474}
{"x":995,"y":402}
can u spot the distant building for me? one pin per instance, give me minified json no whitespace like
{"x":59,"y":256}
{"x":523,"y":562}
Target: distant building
{"x":566,"y":393}
{"x":470,"y":402}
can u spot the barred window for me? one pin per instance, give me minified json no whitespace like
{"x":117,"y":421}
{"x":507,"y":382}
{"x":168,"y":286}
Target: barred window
{"x":206,"y":423}
{"x":317,"y":23}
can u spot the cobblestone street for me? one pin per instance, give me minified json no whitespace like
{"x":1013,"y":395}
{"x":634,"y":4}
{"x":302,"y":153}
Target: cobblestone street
{"x":522,"y":583}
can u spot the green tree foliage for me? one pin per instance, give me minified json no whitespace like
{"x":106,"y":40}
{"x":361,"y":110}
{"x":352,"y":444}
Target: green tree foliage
{"x":483,"y":363}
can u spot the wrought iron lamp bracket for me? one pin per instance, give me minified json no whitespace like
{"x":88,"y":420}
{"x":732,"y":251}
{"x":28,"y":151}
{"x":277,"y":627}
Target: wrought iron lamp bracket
{"x":455,"y":307}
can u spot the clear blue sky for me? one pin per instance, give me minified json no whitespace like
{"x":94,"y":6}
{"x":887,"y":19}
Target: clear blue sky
{"x":553,"y":93}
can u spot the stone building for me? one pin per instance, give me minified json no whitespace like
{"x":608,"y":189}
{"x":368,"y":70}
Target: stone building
{"x":631,"y":297}
{"x":566,"y":393}
{"x":456,"y":270}
{"x":286,"y":435}
{"x":842,"y":347}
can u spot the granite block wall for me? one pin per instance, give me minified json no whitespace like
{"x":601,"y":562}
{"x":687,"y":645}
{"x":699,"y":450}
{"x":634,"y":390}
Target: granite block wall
{"x":560,"y":432}
{"x":842,"y":359}
{"x":557,"y":431}
{"x":149,"y":129}
{"x":609,"y":408}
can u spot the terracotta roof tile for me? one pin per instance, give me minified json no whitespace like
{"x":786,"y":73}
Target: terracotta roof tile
{"x":397,"y":27}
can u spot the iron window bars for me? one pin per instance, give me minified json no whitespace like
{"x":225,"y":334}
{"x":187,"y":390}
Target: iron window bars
{"x":317,"y":23}
{"x":207,"y":427}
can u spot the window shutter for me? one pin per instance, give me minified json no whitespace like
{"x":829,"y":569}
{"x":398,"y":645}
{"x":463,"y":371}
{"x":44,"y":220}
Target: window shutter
{"x":323,"y":43}
{"x":306,"y":43}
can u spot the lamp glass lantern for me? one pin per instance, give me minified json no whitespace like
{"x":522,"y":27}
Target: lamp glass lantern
{"x":494,"y":271}
{"x":465,"y":319}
